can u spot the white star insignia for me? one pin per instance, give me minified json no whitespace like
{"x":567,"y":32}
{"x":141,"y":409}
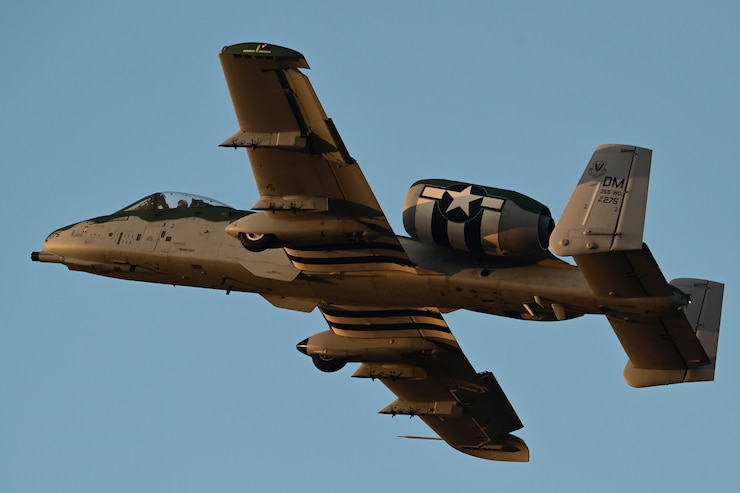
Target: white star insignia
{"x":462,"y":200}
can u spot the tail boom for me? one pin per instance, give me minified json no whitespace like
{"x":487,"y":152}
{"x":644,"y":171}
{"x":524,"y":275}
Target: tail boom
{"x":667,"y":339}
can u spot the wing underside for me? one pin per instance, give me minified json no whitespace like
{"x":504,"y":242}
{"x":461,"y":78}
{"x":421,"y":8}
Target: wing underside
{"x":314,"y":192}
{"x":413,"y":353}
{"x":299,"y":161}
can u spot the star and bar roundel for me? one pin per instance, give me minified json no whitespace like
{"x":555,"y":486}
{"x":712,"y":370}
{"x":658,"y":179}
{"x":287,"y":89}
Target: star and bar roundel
{"x":461,"y":202}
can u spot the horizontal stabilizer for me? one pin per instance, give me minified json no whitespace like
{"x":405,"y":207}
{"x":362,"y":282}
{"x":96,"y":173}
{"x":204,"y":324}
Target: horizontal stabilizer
{"x":650,"y":364}
{"x":607,"y":209}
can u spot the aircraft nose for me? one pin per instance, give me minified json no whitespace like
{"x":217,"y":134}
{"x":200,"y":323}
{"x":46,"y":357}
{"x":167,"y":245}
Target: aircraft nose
{"x":58,"y":245}
{"x":46,"y":254}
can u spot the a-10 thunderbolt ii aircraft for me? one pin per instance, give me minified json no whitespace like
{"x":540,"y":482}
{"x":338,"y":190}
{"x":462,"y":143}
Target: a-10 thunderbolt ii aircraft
{"x":318,"y":238}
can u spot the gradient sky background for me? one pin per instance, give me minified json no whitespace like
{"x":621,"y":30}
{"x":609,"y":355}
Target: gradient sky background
{"x":118,"y":386}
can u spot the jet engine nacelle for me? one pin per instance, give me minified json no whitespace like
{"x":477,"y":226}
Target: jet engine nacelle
{"x":475,"y":218}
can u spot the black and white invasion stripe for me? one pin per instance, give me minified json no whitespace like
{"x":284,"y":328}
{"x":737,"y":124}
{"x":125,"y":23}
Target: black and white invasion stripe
{"x":355,"y":321}
{"x":347,"y":257}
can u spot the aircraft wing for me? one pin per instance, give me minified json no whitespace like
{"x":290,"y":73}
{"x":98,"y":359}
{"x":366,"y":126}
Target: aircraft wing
{"x":301,"y":165}
{"x":297,"y":156}
{"x":413,"y":352}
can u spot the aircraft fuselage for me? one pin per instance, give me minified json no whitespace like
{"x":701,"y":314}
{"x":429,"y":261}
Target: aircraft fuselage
{"x":190,"y":247}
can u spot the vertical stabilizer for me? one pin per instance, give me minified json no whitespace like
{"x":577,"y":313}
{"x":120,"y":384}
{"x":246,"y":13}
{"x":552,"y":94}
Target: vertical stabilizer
{"x":607,"y":209}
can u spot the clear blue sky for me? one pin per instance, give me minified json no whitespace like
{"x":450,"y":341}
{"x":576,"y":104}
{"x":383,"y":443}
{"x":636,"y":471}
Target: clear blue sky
{"x":115,"y":386}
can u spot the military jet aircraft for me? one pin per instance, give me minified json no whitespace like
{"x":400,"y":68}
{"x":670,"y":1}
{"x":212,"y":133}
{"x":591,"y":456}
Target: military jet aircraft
{"x":318,"y":238}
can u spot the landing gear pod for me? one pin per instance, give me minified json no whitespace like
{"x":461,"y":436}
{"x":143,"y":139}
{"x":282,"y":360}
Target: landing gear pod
{"x":272,"y":229}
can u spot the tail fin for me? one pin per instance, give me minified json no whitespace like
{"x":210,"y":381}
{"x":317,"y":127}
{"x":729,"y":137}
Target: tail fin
{"x":602,"y":225}
{"x":602,"y":228}
{"x":607,"y":209}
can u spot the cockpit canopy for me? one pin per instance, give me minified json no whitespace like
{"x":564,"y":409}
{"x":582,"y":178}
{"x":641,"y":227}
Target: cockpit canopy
{"x":171,"y":200}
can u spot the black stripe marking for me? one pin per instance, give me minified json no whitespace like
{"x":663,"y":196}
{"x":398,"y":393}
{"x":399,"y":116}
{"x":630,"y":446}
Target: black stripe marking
{"x":352,"y":246}
{"x":472,"y":231}
{"x":351,"y":260}
{"x":439,"y":227}
{"x":334,"y":312}
{"x":377,"y":327}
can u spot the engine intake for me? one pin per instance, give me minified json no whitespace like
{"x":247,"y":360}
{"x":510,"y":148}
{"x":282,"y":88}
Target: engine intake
{"x":474,"y":218}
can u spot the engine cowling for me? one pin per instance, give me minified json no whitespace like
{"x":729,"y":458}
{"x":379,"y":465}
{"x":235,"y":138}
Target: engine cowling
{"x":475,"y":218}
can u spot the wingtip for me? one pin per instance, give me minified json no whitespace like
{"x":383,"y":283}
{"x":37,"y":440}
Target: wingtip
{"x":508,"y":449}
{"x":265,"y":50}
